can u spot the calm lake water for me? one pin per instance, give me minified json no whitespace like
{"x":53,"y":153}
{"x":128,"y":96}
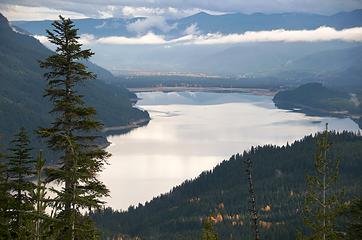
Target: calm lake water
{"x":193,"y":132}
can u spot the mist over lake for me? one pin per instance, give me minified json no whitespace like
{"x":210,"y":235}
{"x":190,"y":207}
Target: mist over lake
{"x":191,"y":132}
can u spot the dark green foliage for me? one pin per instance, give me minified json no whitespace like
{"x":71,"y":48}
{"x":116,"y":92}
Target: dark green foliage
{"x":4,"y":199}
{"x":353,"y":219}
{"x":254,"y":218}
{"x":21,"y":91}
{"x":72,"y":134}
{"x":279,"y":181}
{"x":208,"y":231}
{"x":322,"y":203}
{"x":20,"y":163}
{"x":39,"y":199}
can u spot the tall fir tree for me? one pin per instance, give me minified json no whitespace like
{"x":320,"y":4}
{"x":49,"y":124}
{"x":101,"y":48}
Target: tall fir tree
{"x":252,"y":199}
{"x":73,"y":133}
{"x":322,"y":202}
{"x":20,"y":172}
{"x":39,"y":198}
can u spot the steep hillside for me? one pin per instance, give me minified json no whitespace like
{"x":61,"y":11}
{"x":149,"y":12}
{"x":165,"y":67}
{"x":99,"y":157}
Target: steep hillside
{"x":279,"y":178}
{"x":22,"y":87}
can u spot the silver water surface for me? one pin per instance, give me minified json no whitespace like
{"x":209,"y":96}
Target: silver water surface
{"x":193,"y":132}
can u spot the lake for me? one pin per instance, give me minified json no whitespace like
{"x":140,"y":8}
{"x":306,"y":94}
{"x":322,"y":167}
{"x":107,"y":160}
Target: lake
{"x":191,"y":132}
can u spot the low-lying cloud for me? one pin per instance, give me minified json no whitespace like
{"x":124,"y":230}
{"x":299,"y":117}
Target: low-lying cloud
{"x":142,"y":26}
{"x":279,"y":35}
{"x":282,"y":35}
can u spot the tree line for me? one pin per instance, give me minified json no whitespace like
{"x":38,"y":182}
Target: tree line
{"x":51,"y":202}
{"x":216,"y":202}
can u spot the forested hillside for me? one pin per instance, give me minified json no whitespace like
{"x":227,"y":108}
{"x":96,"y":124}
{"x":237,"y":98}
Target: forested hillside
{"x":22,"y":87}
{"x":279,"y":178}
{"x":316,"y":99}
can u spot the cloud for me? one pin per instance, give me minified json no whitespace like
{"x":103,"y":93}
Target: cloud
{"x":279,"y":35}
{"x":103,"y":24}
{"x":18,"y":12}
{"x":167,"y":12}
{"x":142,"y":26}
{"x":192,"y":30}
{"x":172,"y":9}
{"x":148,"y":39}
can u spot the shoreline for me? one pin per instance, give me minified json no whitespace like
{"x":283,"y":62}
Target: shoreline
{"x":255,"y":91}
{"x":313,"y":111}
{"x":129,"y":126}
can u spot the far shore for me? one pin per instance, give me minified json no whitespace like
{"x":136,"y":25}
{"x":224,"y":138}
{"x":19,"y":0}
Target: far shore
{"x":255,"y":91}
{"x":129,"y":126}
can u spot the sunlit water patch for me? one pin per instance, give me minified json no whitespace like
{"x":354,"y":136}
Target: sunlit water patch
{"x":192,"y":132}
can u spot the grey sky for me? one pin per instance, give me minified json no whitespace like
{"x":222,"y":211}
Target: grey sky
{"x":49,"y":9}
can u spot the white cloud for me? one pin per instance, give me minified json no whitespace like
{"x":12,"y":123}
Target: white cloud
{"x":192,"y":30}
{"x":167,"y":12}
{"x":148,"y":39}
{"x":142,"y":26}
{"x":279,"y":35}
{"x":101,"y":25}
{"x":18,"y":12}
{"x":129,"y":11}
{"x":174,"y":8}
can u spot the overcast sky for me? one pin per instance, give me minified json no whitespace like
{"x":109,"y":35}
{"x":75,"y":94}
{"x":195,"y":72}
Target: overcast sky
{"x":50,"y":9}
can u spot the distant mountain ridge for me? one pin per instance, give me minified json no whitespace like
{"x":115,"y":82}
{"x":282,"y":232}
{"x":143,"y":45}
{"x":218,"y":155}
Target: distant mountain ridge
{"x":206,"y":23}
{"x":22,"y":87}
{"x":239,"y":59}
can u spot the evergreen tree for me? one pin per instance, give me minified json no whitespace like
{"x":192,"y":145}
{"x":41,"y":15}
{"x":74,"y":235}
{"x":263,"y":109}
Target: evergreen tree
{"x":39,"y":198}
{"x":353,"y":213}
{"x":252,"y":199}
{"x":20,"y":171}
{"x":208,"y":231}
{"x":73,"y":133}
{"x":322,"y":204}
{"x":4,"y":199}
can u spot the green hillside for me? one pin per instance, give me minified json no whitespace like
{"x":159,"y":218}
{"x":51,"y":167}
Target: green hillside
{"x":279,"y":183}
{"x":22,"y":87}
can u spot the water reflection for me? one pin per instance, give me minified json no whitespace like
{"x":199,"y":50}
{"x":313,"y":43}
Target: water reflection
{"x":192,"y":132}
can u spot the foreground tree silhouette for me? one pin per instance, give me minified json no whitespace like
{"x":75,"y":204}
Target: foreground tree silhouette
{"x":20,"y":171}
{"x":73,"y":133}
{"x":322,"y":205}
{"x":252,"y":200}
{"x":4,"y":199}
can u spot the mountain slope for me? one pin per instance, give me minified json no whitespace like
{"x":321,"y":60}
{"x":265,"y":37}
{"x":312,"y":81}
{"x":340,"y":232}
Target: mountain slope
{"x":239,"y":23}
{"x":279,"y":179}
{"x":22,"y":87}
{"x":330,"y":60}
